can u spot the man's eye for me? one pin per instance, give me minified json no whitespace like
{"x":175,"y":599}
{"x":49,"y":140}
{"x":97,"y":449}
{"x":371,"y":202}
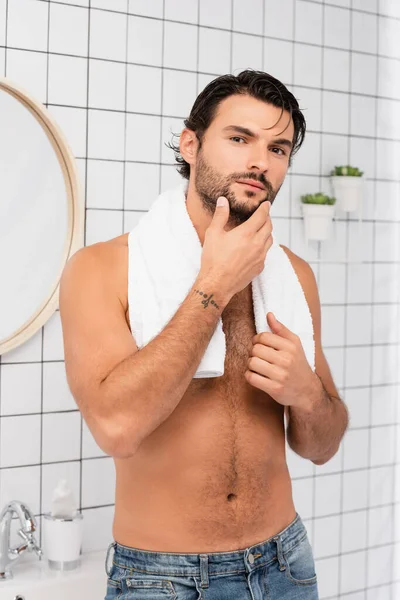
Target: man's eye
{"x":283,"y":152}
{"x":235,"y":137}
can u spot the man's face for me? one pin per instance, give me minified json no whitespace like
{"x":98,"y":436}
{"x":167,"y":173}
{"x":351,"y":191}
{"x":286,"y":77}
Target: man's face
{"x":247,"y":141}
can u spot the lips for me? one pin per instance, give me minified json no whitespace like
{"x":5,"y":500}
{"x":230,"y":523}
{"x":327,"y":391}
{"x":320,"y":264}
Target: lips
{"x":255,"y":184}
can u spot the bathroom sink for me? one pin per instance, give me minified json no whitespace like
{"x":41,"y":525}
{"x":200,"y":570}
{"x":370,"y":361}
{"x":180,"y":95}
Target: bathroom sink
{"x":33,"y":580}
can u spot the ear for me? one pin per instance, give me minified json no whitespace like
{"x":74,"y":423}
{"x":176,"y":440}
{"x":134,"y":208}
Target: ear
{"x":188,"y":145}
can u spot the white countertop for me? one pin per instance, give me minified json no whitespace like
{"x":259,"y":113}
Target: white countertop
{"x":33,"y":580}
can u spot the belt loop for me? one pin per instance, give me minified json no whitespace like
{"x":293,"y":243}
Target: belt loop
{"x":281,"y":560}
{"x":204,"y":570}
{"x":112,"y":544}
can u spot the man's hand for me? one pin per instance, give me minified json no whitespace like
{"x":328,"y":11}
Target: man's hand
{"x":279,"y":367}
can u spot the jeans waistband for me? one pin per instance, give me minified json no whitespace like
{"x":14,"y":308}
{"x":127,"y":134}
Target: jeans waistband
{"x":151,"y":562}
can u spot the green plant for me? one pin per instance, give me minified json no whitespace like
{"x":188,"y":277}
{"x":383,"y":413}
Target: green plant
{"x":318,"y":198}
{"x":346,"y":171}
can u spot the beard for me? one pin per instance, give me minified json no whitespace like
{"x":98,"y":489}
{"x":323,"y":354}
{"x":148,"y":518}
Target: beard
{"x":210,"y":184}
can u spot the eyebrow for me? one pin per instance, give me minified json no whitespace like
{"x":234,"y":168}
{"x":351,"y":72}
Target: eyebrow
{"x":249,"y":133}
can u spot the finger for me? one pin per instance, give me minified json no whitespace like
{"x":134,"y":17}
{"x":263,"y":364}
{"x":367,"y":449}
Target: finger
{"x":257,"y":219}
{"x":280,"y":328}
{"x":274,"y":357}
{"x":272,"y":340}
{"x":263,"y":383}
{"x":264,"y":232}
{"x":266,"y":369}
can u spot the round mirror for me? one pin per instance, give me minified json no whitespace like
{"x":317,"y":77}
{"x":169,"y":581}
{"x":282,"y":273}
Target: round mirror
{"x":41,"y":214}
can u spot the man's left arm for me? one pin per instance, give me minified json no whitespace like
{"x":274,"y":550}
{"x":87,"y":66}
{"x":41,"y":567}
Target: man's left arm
{"x":315,"y":430}
{"x":317,"y":418}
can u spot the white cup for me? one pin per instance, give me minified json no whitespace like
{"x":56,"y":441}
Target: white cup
{"x":62,"y":541}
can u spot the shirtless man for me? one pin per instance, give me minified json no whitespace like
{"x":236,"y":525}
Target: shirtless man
{"x":204,"y":505}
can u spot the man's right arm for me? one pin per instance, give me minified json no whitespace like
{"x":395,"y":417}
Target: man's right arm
{"x":125,"y":393}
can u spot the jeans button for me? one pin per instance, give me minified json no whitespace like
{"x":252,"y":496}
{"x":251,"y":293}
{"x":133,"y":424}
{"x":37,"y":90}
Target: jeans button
{"x":251,"y":558}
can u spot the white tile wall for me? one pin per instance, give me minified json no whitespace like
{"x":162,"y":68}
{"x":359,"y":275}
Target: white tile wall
{"x":149,"y":9}
{"x":221,"y":18}
{"x":69,"y":30}
{"x":389,"y":31}
{"x":113,"y":97}
{"x":145,"y":41}
{"x":336,"y":69}
{"x":27,"y":24}
{"x":21,"y":388}
{"x":22,"y":483}
{"x":209,"y":60}
{"x":67,"y":80}
{"x":176,"y":37}
{"x":181,"y":10}
{"x":105,"y":184}
{"x":29,"y":69}
{"x":279,"y":19}
{"x":278,"y":59}
{"x":363,"y":74}
{"x":308,"y":22}
{"x":247,"y":52}
{"x":308,"y":65}
{"x":337,"y":27}
{"x":241,"y":11}
{"x":388,"y":77}
{"x":179,"y":92}
{"x":108,"y":33}
{"x":364,"y":32}
{"x":118,"y":89}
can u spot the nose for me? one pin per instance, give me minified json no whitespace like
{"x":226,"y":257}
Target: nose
{"x":259,"y":159}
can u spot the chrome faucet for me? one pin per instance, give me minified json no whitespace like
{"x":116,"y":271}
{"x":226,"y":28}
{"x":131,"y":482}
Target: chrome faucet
{"x":8,"y":555}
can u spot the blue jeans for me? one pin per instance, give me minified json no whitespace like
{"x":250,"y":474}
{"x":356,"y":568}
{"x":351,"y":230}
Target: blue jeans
{"x":280,"y":568}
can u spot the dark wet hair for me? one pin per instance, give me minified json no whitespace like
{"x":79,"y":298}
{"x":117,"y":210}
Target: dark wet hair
{"x":257,"y":84}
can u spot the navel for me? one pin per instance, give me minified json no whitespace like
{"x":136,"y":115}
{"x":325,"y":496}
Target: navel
{"x":231,"y":497}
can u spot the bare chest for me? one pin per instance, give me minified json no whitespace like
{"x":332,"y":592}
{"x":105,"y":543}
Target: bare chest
{"x":219,"y":453}
{"x":239,"y":330}
{"x":228,"y":404}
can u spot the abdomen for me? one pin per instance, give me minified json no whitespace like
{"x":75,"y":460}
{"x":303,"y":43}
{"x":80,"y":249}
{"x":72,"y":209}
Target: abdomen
{"x":213,"y":475}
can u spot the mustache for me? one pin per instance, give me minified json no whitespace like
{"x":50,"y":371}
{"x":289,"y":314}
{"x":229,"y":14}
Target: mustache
{"x":260,"y":178}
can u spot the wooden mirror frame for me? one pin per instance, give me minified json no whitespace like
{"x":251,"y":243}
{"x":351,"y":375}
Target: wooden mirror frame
{"x":75,"y":215}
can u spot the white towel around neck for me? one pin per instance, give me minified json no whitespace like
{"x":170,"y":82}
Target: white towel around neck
{"x":164,"y":261}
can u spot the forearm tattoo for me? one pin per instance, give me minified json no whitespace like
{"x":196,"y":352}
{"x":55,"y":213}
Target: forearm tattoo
{"x":207,"y":299}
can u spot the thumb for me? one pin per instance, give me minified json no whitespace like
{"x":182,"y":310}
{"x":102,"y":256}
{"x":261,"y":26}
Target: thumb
{"x":278,"y":327}
{"x":273,"y":322}
{"x":221,"y":213}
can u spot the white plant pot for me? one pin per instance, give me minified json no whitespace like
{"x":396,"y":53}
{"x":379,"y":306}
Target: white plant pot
{"x":318,"y":221}
{"x":348,"y":192}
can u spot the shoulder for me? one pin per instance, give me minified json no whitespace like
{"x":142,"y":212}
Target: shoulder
{"x":300,"y":265}
{"x":106,"y":262}
{"x":106,"y":255}
{"x":306,"y":277}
